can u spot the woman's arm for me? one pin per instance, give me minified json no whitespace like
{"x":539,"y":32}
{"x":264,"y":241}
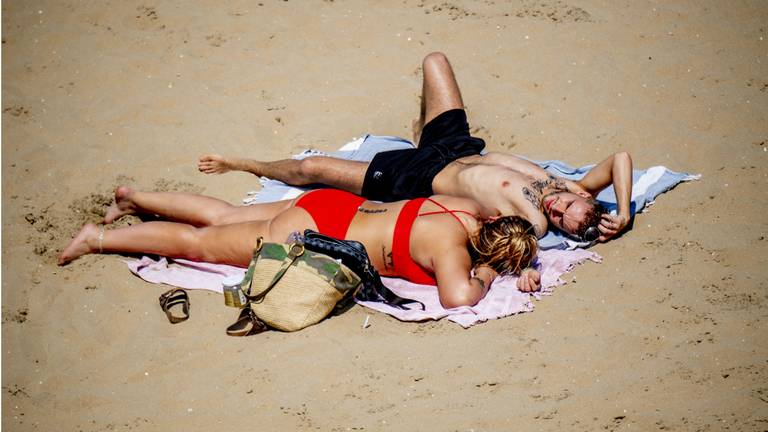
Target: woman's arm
{"x":455,"y":286}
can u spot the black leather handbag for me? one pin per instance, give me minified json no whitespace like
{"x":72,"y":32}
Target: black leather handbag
{"x":353,"y":255}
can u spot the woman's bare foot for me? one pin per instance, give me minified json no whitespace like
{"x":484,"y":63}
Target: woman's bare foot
{"x":213,"y":164}
{"x":122,"y":206}
{"x":81,"y":244}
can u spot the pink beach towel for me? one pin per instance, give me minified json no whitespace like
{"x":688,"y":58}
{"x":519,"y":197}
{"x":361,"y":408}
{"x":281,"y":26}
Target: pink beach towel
{"x":503,"y":298}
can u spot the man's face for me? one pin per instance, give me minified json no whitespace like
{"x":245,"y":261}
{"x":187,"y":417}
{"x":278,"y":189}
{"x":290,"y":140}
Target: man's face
{"x":566,"y":210}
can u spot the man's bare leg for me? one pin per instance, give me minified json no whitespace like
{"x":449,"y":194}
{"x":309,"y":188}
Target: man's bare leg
{"x":440,"y":91}
{"x":192,"y":209}
{"x":339,"y":173}
{"x":218,"y":164}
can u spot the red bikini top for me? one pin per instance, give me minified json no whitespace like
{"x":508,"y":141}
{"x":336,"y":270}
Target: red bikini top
{"x":404,"y":265}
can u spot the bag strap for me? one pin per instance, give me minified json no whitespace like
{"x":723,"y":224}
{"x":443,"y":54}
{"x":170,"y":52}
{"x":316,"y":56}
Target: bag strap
{"x":245,"y":285}
{"x":378,"y":292}
{"x":353,"y":255}
{"x":247,"y":324}
{"x":294,"y":253}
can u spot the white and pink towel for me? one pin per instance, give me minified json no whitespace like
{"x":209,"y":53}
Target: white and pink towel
{"x":503,"y":298}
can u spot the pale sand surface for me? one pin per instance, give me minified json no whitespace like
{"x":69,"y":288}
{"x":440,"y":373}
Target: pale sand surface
{"x":668,"y":333}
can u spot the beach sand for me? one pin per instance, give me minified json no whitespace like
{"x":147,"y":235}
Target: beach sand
{"x":667,"y":333}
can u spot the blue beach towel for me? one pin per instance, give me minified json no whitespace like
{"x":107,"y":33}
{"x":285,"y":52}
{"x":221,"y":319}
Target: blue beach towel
{"x":646,"y":184}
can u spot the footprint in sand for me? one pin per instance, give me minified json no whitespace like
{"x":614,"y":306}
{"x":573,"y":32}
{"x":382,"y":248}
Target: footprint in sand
{"x":762,"y":86}
{"x":215,"y":40}
{"x":19,"y":317}
{"x":145,"y":18}
{"x":146,"y":12}
{"x":453,"y":11}
{"x":17,"y":111}
{"x":16,"y":390}
{"x":556,"y":12}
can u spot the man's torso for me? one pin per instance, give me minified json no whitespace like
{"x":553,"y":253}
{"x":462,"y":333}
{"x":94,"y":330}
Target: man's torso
{"x":502,"y":184}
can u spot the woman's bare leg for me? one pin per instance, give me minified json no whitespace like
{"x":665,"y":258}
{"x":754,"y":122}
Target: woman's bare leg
{"x":193,"y":209}
{"x":226,"y":244}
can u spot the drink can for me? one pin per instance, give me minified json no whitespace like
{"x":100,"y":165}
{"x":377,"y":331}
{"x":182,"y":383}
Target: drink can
{"x":233,"y":294}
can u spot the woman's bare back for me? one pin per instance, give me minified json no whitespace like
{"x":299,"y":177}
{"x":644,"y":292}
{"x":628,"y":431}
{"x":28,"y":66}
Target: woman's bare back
{"x":374,"y":226}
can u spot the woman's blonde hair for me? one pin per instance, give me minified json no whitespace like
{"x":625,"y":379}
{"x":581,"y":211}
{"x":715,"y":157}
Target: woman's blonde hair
{"x":507,"y":244}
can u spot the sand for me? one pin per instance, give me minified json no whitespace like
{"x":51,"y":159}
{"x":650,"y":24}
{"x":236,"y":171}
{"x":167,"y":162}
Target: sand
{"x":668,"y":333}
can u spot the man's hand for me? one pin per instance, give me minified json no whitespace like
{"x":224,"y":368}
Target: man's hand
{"x":611,"y":225}
{"x":615,"y":170}
{"x":529,"y":280}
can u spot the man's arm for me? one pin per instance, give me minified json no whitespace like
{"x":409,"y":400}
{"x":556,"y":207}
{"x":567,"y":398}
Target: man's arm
{"x":615,"y":170}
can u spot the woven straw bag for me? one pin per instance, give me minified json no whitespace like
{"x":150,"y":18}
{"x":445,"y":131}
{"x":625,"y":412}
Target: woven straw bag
{"x":289,"y":288}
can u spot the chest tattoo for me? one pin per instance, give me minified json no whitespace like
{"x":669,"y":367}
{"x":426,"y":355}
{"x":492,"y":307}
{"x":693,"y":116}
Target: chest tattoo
{"x":535,"y":192}
{"x":551,"y":182}
{"x":533,"y":196}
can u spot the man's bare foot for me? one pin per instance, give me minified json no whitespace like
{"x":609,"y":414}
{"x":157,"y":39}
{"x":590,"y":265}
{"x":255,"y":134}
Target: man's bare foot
{"x":122,"y":206}
{"x":80,"y":245}
{"x":213,"y":164}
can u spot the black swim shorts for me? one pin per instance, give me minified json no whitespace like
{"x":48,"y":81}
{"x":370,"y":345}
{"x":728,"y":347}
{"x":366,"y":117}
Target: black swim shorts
{"x":406,"y":174}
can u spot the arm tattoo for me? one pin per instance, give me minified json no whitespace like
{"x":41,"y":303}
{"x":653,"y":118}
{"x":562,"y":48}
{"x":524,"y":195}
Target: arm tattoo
{"x":371,"y":211}
{"x":482,"y":283}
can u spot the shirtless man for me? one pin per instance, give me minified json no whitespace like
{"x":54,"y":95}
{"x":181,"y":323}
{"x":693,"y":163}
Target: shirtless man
{"x":448,"y":161}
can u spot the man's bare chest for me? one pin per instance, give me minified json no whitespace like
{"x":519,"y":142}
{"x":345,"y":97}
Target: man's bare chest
{"x":526,"y":192}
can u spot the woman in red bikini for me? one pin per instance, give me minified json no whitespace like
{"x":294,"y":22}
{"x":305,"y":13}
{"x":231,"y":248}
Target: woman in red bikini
{"x":442,"y":240}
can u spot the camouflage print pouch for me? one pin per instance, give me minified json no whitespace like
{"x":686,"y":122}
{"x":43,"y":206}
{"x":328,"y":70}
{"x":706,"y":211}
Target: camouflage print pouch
{"x":290,"y":288}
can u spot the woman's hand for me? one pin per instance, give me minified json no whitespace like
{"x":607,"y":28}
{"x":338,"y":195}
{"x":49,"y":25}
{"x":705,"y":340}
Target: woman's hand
{"x":529,"y":280}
